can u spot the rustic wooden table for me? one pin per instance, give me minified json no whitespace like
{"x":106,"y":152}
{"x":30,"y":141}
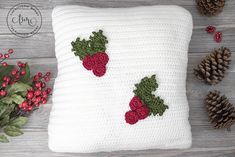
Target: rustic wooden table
{"x":38,"y":51}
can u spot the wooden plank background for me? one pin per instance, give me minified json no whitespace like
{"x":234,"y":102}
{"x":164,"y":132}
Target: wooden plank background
{"x":38,"y":51}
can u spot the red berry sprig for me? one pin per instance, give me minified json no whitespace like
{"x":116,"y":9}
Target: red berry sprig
{"x":19,"y":93}
{"x":39,"y":93}
{"x":138,"y":111}
{"x":96,"y":62}
{"x":5,"y":56}
{"x":36,"y":96}
{"x":217,"y":35}
{"x":5,"y":83}
{"x":14,"y":76}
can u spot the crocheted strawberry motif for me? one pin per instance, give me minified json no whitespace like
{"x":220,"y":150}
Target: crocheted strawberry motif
{"x":92,"y":52}
{"x":135,"y":103}
{"x":144,"y":103}
{"x":131,"y":117}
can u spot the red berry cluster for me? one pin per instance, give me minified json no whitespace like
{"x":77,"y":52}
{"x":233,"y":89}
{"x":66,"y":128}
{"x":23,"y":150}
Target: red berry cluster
{"x":138,"y":111}
{"x":97,"y":63}
{"x":5,"y":56}
{"x":15,"y":76}
{"x":38,"y":94}
{"x":217,"y":35}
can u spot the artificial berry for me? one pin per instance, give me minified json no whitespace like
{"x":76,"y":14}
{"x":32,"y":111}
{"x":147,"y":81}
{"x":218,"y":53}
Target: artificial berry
{"x":30,"y":95}
{"x":14,"y":72}
{"x":6,"y":55}
{"x":5,"y":78}
{"x":4,"y":84}
{"x":24,"y":104}
{"x":14,"y":80}
{"x":30,"y":90}
{"x":23,"y":108}
{"x":8,"y":79}
{"x":45,"y":96}
{"x":36,"y":77}
{"x":38,"y":84}
{"x":19,"y":64}
{"x":218,"y":37}
{"x":37,"y":92}
{"x":49,"y":90}
{"x":210,"y":29}
{"x":44,"y":101}
{"x":23,"y":65}
{"x":38,"y":99}
{"x":3,"y":93}
{"x":10,"y":51}
{"x":4,"y":64}
{"x":43,"y":85}
{"x":47,"y":79}
{"x":30,"y":108}
{"x":23,"y":72}
{"x":44,"y":92}
{"x":33,"y":99}
{"x":1,"y":55}
{"x":48,"y":74}
{"x":17,"y":76}
{"x":39,"y":74}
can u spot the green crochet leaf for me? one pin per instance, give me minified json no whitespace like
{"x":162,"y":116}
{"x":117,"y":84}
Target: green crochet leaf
{"x":98,"y":41}
{"x":83,"y":47}
{"x":147,"y":85}
{"x":144,"y":90}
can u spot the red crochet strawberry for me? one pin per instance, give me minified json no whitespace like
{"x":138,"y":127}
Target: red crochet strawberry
{"x":97,"y":63}
{"x":138,"y":111}
{"x":145,"y":103}
{"x":92,"y":52}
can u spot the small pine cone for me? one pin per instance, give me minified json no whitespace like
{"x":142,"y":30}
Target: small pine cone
{"x":213,"y":67}
{"x":210,"y":7}
{"x":221,"y":113}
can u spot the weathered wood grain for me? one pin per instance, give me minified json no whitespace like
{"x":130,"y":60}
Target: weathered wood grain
{"x":38,"y":51}
{"x":42,"y":44}
{"x":223,"y":20}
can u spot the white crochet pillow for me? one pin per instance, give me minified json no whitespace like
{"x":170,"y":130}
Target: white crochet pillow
{"x":88,"y":111}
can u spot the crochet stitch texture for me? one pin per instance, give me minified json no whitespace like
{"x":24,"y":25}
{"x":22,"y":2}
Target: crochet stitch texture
{"x":87,"y":113}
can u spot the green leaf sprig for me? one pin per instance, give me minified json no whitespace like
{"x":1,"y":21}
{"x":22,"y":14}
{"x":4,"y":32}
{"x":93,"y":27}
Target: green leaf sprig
{"x":82,"y":47}
{"x":20,"y":95}
{"x":145,"y":90}
{"x":10,"y":121}
{"x":15,"y":106}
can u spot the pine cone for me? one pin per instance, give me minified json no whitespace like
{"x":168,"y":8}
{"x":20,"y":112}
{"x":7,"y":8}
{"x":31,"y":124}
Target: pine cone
{"x":220,"y":111}
{"x":213,"y":67}
{"x":210,"y":7}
